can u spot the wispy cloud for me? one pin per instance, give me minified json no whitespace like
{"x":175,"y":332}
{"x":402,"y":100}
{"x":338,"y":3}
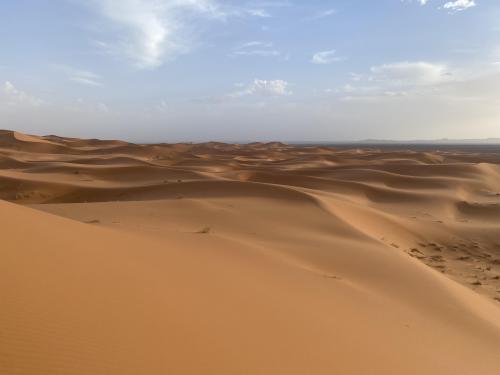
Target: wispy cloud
{"x":256,"y":48}
{"x":411,"y":73}
{"x":83,"y":77}
{"x":421,"y":2}
{"x":398,"y":79}
{"x":322,"y":14}
{"x":325,"y":57}
{"x":258,"y":13}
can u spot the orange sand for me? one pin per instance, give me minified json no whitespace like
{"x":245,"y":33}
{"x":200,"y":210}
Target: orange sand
{"x":246,"y":259}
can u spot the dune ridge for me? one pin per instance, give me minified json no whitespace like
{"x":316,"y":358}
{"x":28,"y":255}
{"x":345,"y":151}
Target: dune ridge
{"x":121,"y":258}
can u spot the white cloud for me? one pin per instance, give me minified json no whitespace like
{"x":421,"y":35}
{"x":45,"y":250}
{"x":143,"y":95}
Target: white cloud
{"x":411,"y":73}
{"x":256,"y":48}
{"x":263,"y":87}
{"x":10,"y":96}
{"x":273,"y":88}
{"x":459,"y":5}
{"x":325,"y":57}
{"x":151,"y":32}
{"x":454,"y":6}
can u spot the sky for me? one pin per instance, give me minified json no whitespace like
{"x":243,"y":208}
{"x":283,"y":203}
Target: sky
{"x":256,"y":70}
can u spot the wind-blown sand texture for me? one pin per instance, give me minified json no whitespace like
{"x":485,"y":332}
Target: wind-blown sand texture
{"x":246,"y":259}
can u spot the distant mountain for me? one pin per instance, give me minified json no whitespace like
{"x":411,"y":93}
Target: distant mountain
{"x":443,"y":141}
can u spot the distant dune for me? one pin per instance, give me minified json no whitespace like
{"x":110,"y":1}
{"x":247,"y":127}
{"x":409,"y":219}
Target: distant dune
{"x":262,"y":258}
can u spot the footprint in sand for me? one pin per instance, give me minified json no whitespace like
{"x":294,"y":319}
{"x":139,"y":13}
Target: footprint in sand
{"x":93,"y":221}
{"x":334,"y":277}
{"x":205,"y":230}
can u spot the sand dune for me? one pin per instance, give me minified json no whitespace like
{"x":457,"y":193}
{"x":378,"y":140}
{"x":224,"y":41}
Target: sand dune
{"x":246,"y":259}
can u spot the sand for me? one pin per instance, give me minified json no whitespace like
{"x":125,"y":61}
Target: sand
{"x":214,"y":258}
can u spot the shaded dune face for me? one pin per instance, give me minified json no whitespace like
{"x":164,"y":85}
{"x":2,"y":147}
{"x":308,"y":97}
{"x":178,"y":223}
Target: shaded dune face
{"x":216,"y":258}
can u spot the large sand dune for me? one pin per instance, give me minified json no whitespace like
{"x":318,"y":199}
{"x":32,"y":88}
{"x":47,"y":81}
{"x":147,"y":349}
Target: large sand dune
{"x":246,"y":259}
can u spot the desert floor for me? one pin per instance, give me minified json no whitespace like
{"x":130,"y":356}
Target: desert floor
{"x":118,"y":258}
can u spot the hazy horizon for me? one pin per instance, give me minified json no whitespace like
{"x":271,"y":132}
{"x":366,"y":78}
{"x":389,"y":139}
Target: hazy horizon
{"x":368,"y":142}
{"x":218,"y":70}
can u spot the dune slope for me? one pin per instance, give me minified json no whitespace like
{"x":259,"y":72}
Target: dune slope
{"x":79,"y":299}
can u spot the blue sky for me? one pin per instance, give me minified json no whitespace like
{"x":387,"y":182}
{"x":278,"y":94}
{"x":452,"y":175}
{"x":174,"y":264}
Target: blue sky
{"x":195,"y":70}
